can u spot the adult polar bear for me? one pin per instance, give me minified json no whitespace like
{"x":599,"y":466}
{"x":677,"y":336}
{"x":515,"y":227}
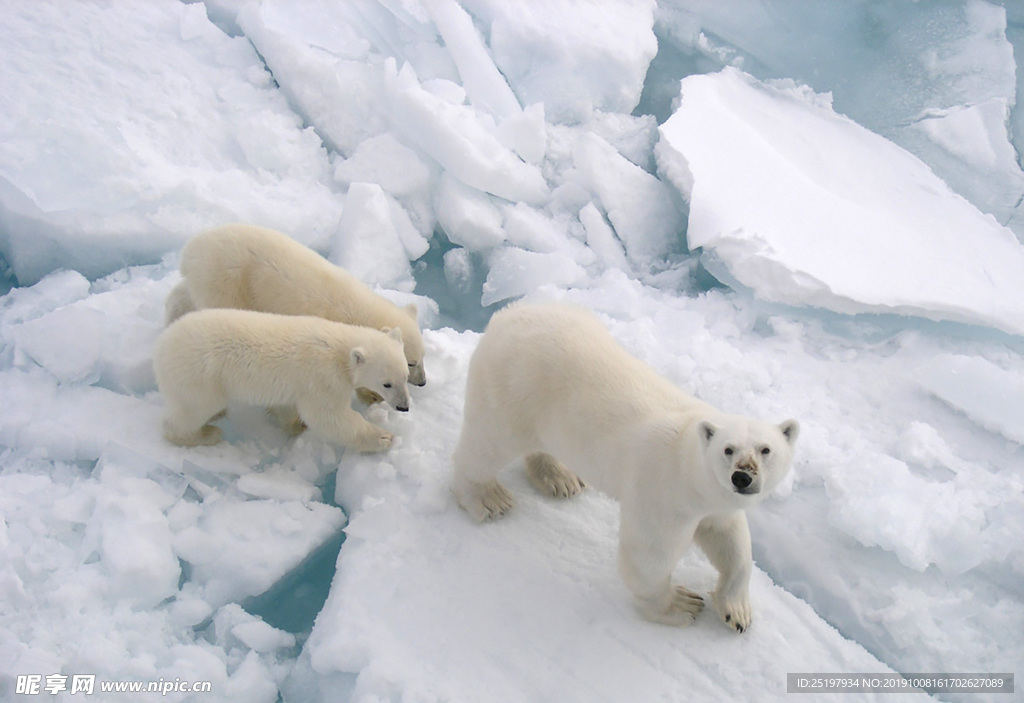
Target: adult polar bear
{"x":254,"y":268}
{"x":211,"y":357}
{"x":549,"y":382}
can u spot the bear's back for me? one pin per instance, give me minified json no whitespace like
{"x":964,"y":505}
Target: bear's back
{"x":227,"y":331}
{"x":565,"y":353}
{"x":256,"y":268}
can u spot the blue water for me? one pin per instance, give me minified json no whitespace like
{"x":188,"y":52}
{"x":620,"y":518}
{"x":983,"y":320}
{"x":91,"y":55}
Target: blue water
{"x":293,"y":603}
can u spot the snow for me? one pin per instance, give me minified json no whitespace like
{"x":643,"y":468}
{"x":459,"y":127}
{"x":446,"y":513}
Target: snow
{"x":784,"y":222}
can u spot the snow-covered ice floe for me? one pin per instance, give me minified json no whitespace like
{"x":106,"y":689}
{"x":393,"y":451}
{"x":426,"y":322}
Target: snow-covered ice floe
{"x":461,"y":155}
{"x":806,"y":207}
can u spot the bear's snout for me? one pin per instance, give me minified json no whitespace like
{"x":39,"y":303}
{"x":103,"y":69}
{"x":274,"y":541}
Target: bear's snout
{"x":741,"y":480}
{"x":402,"y":408}
{"x":745,"y":483}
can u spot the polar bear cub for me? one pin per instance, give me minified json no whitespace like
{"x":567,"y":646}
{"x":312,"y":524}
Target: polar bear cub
{"x":255,"y":268}
{"x":549,"y":383}
{"x":210,"y":357}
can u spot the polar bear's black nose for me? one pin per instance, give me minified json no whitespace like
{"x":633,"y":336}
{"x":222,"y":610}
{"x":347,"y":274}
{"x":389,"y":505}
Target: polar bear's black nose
{"x":741,"y":479}
{"x":402,"y":408}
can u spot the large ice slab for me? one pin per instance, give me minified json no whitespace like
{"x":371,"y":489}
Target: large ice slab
{"x":937,"y":78}
{"x":805,"y":207}
{"x":594,"y":57}
{"x":125,"y":129}
{"x":989,"y":395}
{"x":318,"y":54}
{"x":459,"y":140}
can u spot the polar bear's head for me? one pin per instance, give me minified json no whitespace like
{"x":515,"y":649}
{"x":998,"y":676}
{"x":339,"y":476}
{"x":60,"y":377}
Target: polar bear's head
{"x":748,"y":457}
{"x":379,"y":370}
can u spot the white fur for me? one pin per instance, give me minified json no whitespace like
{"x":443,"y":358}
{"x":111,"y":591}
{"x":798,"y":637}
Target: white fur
{"x":549,"y":383}
{"x":255,"y":268}
{"x":210,"y":357}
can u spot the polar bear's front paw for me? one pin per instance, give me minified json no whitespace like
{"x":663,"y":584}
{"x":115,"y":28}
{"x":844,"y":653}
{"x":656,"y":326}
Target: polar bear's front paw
{"x":483,"y":501}
{"x":550,"y":477}
{"x":379,"y":440}
{"x":735,"y":612}
{"x":680,"y":607}
{"x":209,"y":435}
{"x":496,"y":500}
{"x":205,"y":436}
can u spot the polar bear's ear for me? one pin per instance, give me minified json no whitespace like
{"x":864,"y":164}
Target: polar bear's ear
{"x":790,"y":430}
{"x":707,"y":430}
{"x":393,"y":332}
{"x":357,"y":356}
{"x":412,"y":310}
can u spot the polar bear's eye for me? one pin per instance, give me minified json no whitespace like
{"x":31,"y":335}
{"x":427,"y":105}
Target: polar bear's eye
{"x":765,"y":451}
{"x":412,"y":365}
{"x":387,"y":385}
{"x":728,"y":451}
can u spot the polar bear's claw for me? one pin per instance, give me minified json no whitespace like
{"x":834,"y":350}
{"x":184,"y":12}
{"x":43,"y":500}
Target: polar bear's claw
{"x":685,"y":607}
{"x":209,"y":435}
{"x":734,"y":612}
{"x":495,"y":500}
{"x":287,"y":418}
{"x":379,"y":443}
{"x":679,"y":607}
{"x":550,"y":477}
{"x":483,"y":501}
{"x":205,"y":436}
{"x":738,"y":626}
{"x":685,"y":599}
